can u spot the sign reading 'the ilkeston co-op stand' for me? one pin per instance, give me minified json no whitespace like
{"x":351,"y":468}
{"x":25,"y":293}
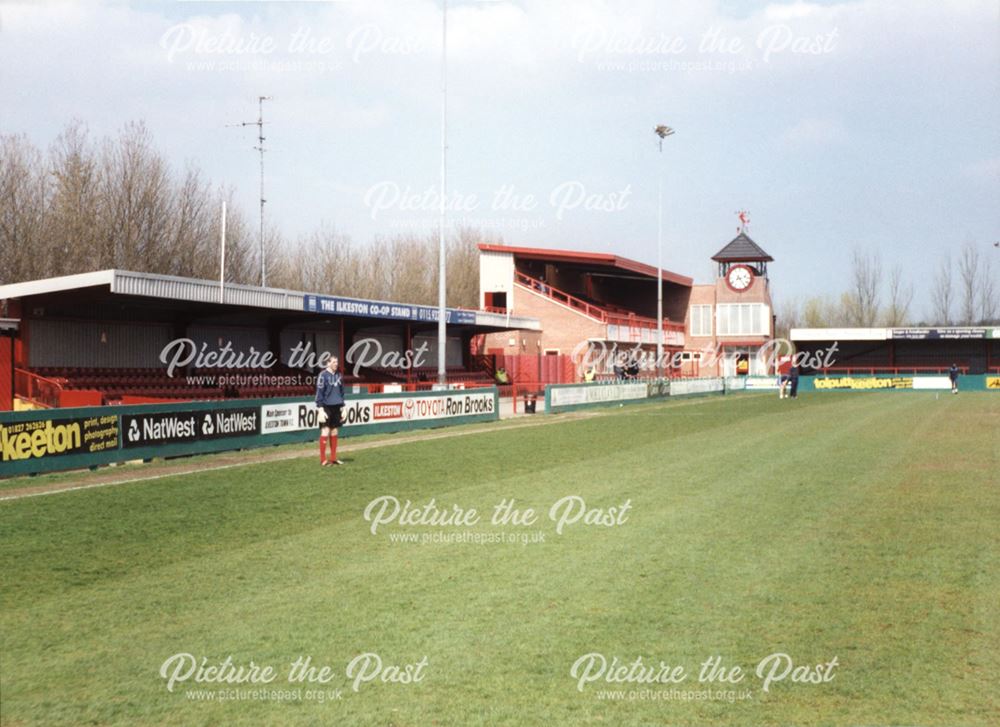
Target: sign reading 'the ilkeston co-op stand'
{"x":381,"y":309}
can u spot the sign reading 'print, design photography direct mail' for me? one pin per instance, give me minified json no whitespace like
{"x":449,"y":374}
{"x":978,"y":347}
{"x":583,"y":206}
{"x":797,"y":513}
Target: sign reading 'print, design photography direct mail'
{"x":44,"y":438}
{"x":297,"y":416}
{"x":141,"y":430}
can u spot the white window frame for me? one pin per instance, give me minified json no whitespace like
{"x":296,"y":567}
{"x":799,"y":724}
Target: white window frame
{"x":742,"y":319}
{"x":698,"y":313}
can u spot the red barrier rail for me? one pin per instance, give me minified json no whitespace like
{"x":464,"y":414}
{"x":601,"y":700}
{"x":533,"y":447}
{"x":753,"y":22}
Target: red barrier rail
{"x":37,"y":389}
{"x":602,"y":314}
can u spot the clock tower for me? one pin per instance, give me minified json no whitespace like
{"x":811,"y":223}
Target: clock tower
{"x":742,"y":262}
{"x":733,"y":316}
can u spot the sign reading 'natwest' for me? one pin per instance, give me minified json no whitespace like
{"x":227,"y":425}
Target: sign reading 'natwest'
{"x":140,"y":430}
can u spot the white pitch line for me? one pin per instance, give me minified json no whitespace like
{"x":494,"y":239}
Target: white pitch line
{"x":350,"y":448}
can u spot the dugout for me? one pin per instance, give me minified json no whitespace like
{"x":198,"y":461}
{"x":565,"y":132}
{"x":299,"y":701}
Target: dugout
{"x":98,"y":338}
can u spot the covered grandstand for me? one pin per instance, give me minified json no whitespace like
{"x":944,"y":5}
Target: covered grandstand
{"x":610,"y":302}
{"x":578,"y":297}
{"x":975,"y":350}
{"x":120,"y":337}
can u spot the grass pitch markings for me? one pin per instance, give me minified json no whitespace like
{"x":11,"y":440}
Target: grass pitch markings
{"x":766,"y":527}
{"x":298,"y":451}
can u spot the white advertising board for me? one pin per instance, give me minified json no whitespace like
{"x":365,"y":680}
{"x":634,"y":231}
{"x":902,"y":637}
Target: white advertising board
{"x":300,"y":415}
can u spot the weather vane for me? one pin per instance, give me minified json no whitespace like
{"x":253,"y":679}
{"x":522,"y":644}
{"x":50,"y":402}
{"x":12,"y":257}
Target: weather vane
{"x":744,"y":217}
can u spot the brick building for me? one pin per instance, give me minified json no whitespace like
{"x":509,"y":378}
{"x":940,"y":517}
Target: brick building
{"x":607,"y":301}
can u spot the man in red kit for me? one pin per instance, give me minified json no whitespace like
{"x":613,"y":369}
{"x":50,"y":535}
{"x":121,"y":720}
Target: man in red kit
{"x":330,"y":401}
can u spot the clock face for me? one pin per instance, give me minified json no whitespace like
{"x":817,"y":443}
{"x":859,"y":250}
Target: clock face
{"x":739,"y":277}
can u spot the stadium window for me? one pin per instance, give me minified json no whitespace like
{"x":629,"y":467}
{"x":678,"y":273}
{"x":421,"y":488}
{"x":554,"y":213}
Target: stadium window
{"x":741,"y":319}
{"x":701,"y":320}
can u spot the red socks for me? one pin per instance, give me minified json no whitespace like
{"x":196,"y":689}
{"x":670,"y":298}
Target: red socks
{"x":333,"y":447}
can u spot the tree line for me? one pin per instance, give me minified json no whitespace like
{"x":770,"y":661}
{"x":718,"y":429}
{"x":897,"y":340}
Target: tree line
{"x":963,"y":293}
{"x":87,"y":204}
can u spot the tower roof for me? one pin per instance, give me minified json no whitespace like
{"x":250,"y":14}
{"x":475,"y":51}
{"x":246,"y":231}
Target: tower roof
{"x":742,"y":249}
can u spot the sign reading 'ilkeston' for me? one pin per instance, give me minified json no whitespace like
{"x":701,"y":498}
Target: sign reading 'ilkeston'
{"x":380,"y":309}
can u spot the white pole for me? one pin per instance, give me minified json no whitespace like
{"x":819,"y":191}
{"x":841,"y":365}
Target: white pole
{"x":659,"y":271}
{"x":260,"y":140}
{"x":662,"y":131}
{"x":222,"y":264}
{"x":442,"y":326}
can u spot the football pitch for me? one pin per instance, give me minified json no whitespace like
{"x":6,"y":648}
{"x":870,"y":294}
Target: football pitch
{"x":841,"y":550}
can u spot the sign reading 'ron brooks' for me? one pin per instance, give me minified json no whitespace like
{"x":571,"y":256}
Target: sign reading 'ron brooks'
{"x":297,"y":416}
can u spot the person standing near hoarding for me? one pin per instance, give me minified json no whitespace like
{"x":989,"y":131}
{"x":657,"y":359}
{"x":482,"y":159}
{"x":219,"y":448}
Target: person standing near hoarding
{"x":330,"y":402}
{"x":953,"y":376}
{"x":784,"y":376}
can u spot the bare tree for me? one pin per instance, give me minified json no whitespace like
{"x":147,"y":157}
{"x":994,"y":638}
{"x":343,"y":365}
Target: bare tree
{"x":463,"y":266}
{"x":24,"y":200}
{"x":866,"y":278}
{"x":242,"y":244}
{"x":824,"y":312}
{"x":194,"y":231}
{"x":72,"y":221}
{"x":324,"y":261}
{"x":988,"y":295}
{"x":941,"y":294}
{"x":787,"y":317}
{"x":135,"y":201}
{"x":115,"y":202}
{"x":897,"y":310}
{"x":968,"y":273}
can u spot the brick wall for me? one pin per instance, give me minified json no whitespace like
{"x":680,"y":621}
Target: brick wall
{"x":563,"y":328}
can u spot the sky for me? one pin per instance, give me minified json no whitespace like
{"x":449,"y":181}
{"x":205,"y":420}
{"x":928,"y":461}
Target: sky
{"x":869,"y":124}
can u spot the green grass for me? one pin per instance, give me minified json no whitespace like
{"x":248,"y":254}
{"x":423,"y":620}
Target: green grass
{"x":861,"y":526}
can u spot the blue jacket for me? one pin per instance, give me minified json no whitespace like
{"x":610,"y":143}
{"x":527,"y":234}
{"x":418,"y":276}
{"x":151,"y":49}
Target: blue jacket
{"x":329,"y":388}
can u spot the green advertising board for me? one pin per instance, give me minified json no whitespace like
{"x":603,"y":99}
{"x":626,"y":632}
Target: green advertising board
{"x":59,"y":439}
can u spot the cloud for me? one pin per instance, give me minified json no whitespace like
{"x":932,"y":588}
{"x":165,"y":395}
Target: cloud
{"x":540,"y":91}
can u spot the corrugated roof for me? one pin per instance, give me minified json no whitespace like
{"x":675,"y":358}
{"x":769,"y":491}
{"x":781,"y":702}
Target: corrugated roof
{"x":592,"y":258}
{"x":150,"y":285}
{"x":742,"y":249}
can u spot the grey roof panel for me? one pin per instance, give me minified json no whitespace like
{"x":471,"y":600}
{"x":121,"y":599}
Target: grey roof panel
{"x":742,"y":249}
{"x":171,"y":287}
